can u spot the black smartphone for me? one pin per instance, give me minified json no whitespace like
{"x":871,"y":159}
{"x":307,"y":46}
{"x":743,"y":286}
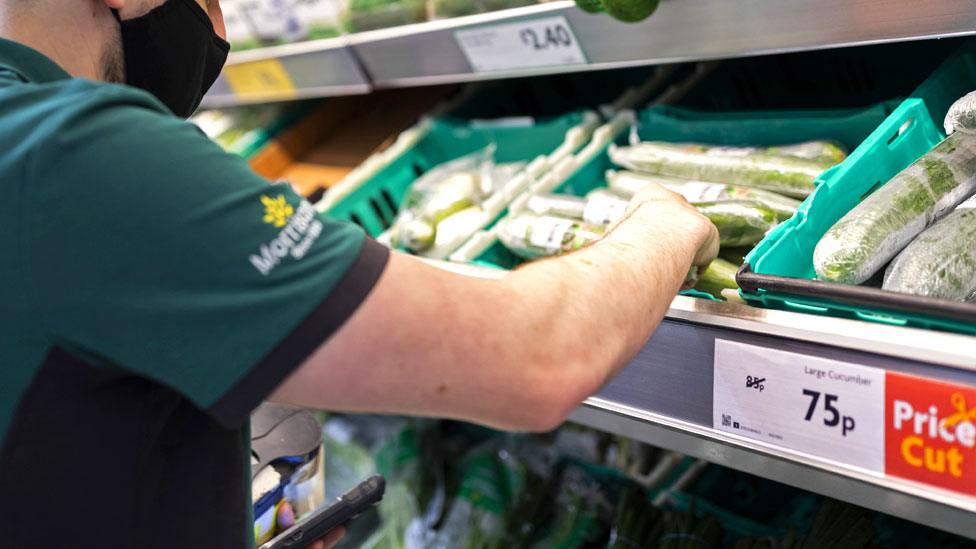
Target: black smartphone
{"x":320,"y":522}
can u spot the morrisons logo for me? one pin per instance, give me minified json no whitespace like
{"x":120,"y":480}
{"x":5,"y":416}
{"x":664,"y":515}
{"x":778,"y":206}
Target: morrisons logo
{"x":299,"y":230}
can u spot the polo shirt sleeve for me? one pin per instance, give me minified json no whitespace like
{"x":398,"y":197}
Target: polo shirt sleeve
{"x":154,"y":251}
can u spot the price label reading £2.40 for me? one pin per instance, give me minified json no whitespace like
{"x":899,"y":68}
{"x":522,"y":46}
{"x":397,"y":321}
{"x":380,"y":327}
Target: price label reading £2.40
{"x":816,"y":406}
{"x":544,"y":42}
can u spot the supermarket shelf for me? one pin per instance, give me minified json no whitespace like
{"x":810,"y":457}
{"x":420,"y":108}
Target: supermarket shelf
{"x":320,"y":68}
{"x":664,"y":397}
{"x":681,"y":30}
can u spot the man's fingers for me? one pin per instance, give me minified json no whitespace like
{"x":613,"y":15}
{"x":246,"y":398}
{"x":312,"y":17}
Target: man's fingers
{"x":332,"y":539}
{"x":708,"y":250}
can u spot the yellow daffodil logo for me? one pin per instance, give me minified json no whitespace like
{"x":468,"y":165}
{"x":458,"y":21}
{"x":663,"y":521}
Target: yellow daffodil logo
{"x":277,"y":212}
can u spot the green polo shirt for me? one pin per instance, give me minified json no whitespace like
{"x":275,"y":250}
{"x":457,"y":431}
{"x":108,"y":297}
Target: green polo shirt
{"x":154,"y":291}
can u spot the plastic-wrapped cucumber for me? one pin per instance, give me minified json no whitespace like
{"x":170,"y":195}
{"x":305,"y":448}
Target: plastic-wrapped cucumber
{"x":940,"y":262}
{"x":629,"y":183}
{"x":739,"y":222}
{"x":786,"y":175}
{"x":871,"y":234}
{"x":720,"y":275}
{"x":533,"y":236}
{"x":600,"y":207}
{"x":560,"y":205}
{"x":962,"y":115}
{"x":826,"y":153}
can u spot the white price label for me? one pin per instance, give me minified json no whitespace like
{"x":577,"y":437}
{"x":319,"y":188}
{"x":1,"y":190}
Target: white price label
{"x":544,"y":42}
{"x":817,"y":406}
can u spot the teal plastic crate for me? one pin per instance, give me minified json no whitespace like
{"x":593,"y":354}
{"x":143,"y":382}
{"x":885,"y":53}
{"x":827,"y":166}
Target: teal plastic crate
{"x":374,"y":204}
{"x":779,"y":272}
{"x":849,"y":127}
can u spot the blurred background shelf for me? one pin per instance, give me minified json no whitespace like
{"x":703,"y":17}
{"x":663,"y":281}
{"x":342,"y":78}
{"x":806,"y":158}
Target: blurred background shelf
{"x":681,"y":30}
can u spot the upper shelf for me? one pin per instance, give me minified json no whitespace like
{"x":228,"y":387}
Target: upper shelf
{"x":681,"y":30}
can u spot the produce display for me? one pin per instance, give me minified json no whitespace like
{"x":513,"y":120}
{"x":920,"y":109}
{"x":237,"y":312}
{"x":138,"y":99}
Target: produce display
{"x":441,"y":203}
{"x":790,"y":171}
{"x":531,"y":236}
{"x":627,"y":11}
{"x":550,"y":224}
{"x":460,"y":486}
{"x":238,"y":130}
{"x":940,"y":262}
{"x":257,"y":23}
{"x":886,"y":223}
{"x":629,"y":183}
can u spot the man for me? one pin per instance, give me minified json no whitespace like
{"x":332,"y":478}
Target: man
{"x":155,"y":291}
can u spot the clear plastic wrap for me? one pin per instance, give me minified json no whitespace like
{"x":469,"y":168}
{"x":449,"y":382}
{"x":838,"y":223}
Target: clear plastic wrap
{"x":941,"y":262}
{"x":877,"y":229}
{"x":598,"y":208}
{"x":533,"y":236}
{"x":445,"y":191}
{"x":787,"y":175}
{"x":739,"y":222}
{"x":629,"y":183}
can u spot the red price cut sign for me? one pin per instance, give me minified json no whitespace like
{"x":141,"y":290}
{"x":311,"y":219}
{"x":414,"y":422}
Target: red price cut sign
{"x":930,"y":432}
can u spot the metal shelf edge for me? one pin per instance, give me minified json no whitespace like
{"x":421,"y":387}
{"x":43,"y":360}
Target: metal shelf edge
{"x":936,"y":508}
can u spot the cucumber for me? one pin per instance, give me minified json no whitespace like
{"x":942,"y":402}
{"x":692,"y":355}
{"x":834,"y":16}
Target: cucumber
{"x":533,"y":236}
{"x":599,"y":208}
{"x":739,"y":222}
{"x":962,"y":115}
{"x":941,"y":262}
{"x":825,"y":152}
{"x":720,"y":275}
{"x":787,"y":175}
{"x":629,"y":183}
{"x":877,"y":229}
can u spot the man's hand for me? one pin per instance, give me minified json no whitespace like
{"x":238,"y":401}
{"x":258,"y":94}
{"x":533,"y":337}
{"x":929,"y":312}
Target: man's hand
{"x":685,"y":221}
{"x":285,"y":519}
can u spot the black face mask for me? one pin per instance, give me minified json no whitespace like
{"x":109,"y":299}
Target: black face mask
{"x":174,"y":53}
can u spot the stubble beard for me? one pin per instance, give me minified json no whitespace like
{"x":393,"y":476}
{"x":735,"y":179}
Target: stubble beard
{"x":113,"y":60}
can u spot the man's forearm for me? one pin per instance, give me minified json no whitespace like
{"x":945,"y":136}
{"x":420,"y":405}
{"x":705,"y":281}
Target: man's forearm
{"x":602,"y":303}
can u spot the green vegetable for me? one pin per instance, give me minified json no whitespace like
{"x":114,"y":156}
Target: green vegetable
{"x":739,"y":222}
{"x":629,"y":183}
{"x":630,"y":11}
{"x":878,"y":228}
{"x":590,"y":6}
{"x":786,"y":175}
{"x":720,"y":275}
{"x":637,"y":523}
{"x":684,"y":530}
{"x":827,"y":153}
{"x":940,"y":262}
{"x":599,"y":208}
{"x":531,"y":237}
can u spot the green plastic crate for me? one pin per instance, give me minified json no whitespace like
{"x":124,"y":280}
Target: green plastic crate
{"x":374,"y":204}
{"x":849,"y":127}
{"x":779,"y":272}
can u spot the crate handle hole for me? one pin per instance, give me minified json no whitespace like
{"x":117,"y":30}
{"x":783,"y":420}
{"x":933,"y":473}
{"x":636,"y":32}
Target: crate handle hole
{"x":355,"y":219}
{"x":389,"y":199}
{"x":418,"y":170}
{"x":870,"y":191}
{"x":902,"y":130}
{"x":379,"y":213}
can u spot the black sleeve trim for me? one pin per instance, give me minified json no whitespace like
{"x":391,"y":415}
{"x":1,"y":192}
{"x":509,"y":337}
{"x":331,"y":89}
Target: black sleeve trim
{"x":328,"y":316}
